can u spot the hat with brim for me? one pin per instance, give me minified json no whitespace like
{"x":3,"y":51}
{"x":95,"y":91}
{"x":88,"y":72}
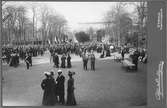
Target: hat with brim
{"x":59,"y":71}
{"x":47,"y":73}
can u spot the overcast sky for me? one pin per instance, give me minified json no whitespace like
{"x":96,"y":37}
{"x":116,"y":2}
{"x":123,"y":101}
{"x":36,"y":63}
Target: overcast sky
{"x":75,"y":12}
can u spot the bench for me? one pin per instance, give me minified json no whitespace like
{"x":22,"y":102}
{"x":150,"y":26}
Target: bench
{"x":127,"y":64}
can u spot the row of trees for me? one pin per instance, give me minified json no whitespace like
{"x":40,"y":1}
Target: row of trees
{"x":120,"y":26}
{"x":124,"y":27}
{"x":90,"y":35}
{"x":45,"y":24}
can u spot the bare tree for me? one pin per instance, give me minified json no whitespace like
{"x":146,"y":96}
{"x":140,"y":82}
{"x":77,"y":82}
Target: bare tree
{"x":141,"y":10}
{"x":9,"y":23}
{"x":33,"y":18}
{"x":44,"y":19}
{"x":55,"y":26}
{"x":20,"y":28}
{"x":21,"y":10}
{"x":121,"y":21}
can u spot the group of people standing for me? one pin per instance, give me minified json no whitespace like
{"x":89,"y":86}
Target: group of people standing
{"x":13,"y":54}
{"x":54,"y":89}
{"x":86,"y":57}
{"x":64,"y":63}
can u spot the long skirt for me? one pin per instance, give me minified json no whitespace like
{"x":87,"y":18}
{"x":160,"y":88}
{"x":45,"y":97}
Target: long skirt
{"x":71,"y":98}
{"x":49,"y":98}
{"x":69,"y":64}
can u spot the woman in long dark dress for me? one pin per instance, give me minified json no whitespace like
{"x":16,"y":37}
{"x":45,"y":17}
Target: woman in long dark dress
{"x":48,"y":85}
{"x":70,"y":90}
{"x":63,"y":61}
{"x":69,"y":61}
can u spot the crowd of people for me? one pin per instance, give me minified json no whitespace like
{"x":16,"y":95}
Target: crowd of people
{"x":54,"y":89}
{"x":66,"y":58}
{"x":13,"y":54}
{"x":74,"y":48}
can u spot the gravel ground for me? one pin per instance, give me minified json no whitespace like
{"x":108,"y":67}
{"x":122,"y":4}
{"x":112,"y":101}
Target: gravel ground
{"x":109,"y":86}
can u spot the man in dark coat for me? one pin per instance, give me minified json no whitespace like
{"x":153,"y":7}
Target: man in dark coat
{"x":30,"y":59}
{"x":17,"y":59}
{"x":123,"y":53}
{"x":55,"y":87}
{"x":27,"y":60}
{"x":85,"y":61}
{"x":92,"y":61}
{"x":60,"y":87}
{"x":135,"y":59}
{"x":108,"y":53}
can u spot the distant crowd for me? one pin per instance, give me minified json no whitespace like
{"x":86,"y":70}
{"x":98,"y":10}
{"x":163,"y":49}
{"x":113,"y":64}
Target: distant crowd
{"x":13,"y":54}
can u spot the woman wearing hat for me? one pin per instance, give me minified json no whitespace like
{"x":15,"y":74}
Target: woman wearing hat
{"x":48,"y":85}
{"x":63,"y":61}
{"x":68,"y":61}
{"x":70,"y":90}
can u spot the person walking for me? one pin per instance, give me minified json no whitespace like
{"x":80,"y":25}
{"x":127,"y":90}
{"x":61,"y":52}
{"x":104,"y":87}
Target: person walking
{"x":60,"y":86}
{"x":47,"y":86}
{"x":27,"y":60}
{"x":70,"y":89}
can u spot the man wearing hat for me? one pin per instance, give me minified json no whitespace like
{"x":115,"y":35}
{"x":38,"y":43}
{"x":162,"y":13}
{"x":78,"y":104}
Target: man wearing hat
{"x":60,"y":86}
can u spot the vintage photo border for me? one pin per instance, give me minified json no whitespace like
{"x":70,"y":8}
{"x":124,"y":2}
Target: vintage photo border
{"x":152,"y":102}
{"x":156,"y":68}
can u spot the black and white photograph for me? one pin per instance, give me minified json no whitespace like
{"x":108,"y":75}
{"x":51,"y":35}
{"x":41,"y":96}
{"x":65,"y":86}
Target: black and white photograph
{"x":75,"y":54}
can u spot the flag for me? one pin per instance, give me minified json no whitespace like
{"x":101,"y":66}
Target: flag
{"x":75,"y":40}
{"x":55,"y":39}
{"x":48,"y":41}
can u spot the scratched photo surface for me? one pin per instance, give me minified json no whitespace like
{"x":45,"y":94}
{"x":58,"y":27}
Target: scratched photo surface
{"x":82,"y":54}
